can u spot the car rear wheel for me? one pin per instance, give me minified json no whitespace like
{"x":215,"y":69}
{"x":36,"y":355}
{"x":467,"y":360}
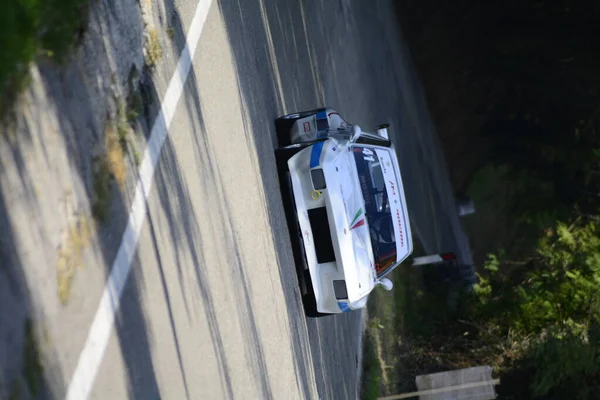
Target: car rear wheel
{"x":310,"y":307}
{"x":308,"y":299}
{"x":284,"y":124}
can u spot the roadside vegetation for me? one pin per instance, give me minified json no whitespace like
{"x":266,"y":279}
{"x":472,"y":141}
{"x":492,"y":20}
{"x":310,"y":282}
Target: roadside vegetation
{"x":153,"y":48}
{"x":35,"y":29}
{"x":516,"y":101}
{"x":406,"y":333}
{"x":535,"y":319}
{"x":29,"y":383}
{"x":111,"y":165}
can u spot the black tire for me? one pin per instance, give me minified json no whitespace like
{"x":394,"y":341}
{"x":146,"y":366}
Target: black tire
{"x":308,"y":299}
{"x":283,"y":154}
{"x":284,"y":124}
{"x":310,"y":307}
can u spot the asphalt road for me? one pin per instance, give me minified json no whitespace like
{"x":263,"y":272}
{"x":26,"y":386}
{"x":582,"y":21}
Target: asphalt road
{"x":212,"y":307}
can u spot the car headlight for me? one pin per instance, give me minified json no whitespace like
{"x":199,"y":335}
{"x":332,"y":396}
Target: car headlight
{"x":340,"y":290}
{"x":318,"y":178}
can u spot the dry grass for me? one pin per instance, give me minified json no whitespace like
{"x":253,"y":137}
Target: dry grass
{"x":70,"y":255}
{"x":380,"y":356}
{"x":112,"y":163}
{"x":106,"y":167}
{"x":171,"y":33}
{"x":123,"y":127}
{"x":115,"y":156}
{"x":153,"y":49}
{"x":101,"y":188}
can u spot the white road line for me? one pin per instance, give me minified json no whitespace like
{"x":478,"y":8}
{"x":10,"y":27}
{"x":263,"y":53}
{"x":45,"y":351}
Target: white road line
{"x":91,"y":356}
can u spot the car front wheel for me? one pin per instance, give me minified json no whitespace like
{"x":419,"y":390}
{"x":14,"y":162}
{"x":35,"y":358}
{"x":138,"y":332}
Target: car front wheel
{"x":284,"y":124}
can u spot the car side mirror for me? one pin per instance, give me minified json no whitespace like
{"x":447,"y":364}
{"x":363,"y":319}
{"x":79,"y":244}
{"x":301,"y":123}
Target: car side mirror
{"x":356,"y":131}
{"x":386,"y":283}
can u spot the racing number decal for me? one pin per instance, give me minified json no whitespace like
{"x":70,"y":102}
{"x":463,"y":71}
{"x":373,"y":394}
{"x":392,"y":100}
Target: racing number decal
{"x":367,"y":154}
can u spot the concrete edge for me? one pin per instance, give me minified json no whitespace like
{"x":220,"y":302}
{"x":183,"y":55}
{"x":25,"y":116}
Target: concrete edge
{"x":361,"y":339}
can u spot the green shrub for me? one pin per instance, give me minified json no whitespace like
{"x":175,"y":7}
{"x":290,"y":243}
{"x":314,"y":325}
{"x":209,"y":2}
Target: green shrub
{"x":567,"y":368}
{"x":29,"y":28}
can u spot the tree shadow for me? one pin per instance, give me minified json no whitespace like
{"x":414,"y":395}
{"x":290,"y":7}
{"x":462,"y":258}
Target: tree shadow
{"x":79,"y":98}
{"x":24,"y":371}
{"x":274,"y":45}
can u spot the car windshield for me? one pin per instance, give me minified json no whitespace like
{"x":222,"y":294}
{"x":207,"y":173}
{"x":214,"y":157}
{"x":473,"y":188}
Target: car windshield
{"x":377,"y":208}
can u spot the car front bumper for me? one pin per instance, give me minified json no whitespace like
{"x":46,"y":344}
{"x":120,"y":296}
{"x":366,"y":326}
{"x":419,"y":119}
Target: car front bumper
{"x":311,"y":209}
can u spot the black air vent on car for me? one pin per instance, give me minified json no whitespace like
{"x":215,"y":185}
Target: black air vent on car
{"x":318,"y":178}
{"x":340,"y":290}
{"x":321,"y":235}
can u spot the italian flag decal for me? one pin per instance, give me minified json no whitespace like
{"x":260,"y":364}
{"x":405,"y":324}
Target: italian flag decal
{"x":357,"y":221}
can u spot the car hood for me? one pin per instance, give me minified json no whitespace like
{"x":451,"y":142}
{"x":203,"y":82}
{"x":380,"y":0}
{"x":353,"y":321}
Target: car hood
{"x":350,"y":225}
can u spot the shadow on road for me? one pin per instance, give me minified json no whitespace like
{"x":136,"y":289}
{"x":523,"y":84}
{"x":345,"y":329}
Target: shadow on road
{"x":84,"y":102}
{"x":275,"y":44}
{"x":77,"y":94}
{"x":21,"y":364}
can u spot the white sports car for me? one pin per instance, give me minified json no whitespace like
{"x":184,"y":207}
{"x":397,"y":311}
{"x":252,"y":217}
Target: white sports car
{"x":346,"y":207}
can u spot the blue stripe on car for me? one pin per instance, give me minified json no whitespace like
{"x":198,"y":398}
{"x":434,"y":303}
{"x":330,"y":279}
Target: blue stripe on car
{"x":322,"y":114}
{"x":344,"y":306}
{"x":315,"y":155}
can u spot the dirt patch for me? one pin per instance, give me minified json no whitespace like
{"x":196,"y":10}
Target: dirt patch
{"x":116,"y":142}
{"x":152,"y":49}
{"x":70,"y":255}
{"x":112,"y":164}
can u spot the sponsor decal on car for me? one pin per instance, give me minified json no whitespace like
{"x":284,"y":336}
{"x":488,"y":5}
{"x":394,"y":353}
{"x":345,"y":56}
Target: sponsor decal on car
{"x":399,"y":221}
{"x":315,"y":154}
{"x":395,"y":200}
{"x":393,"y":188}
{"x":306,"y":126}
{"x":357,"y":221}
